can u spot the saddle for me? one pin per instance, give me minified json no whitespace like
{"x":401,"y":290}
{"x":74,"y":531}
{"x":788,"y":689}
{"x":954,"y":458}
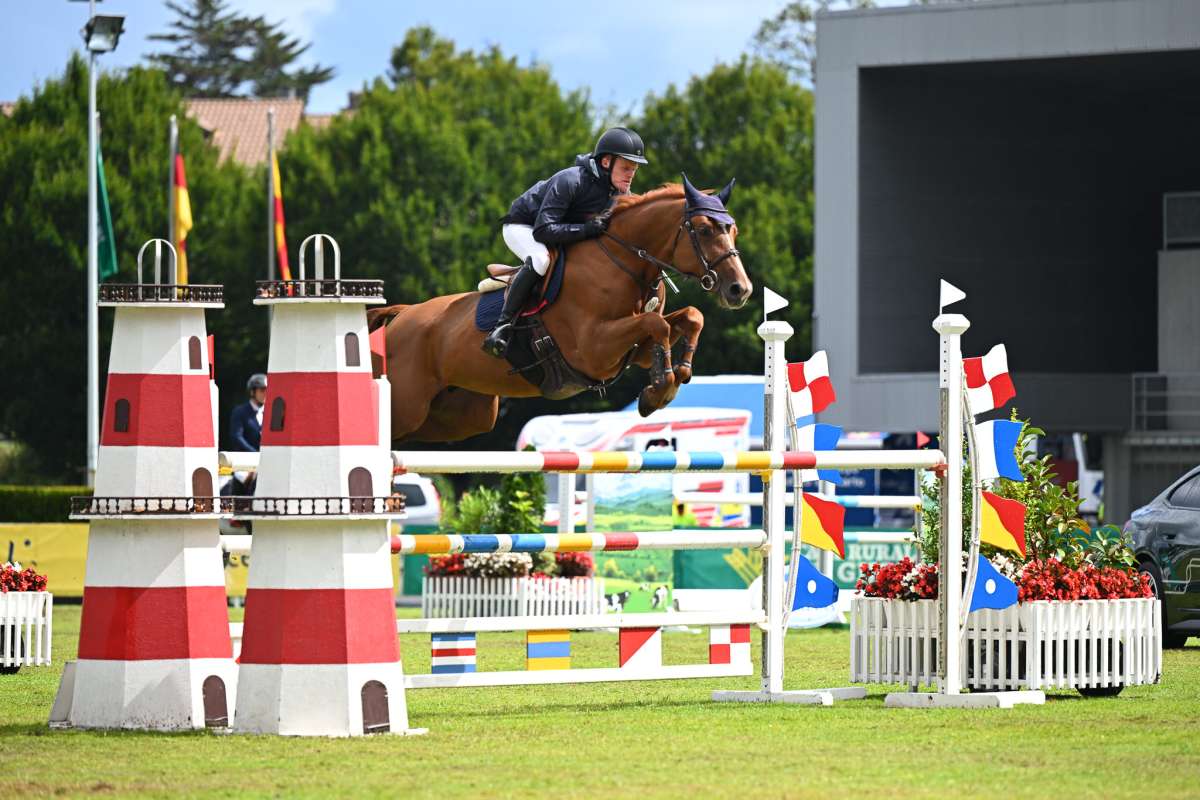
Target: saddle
{"x":532,"y":352}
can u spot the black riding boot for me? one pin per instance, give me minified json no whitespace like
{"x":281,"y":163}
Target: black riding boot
{"x":519,"y":287}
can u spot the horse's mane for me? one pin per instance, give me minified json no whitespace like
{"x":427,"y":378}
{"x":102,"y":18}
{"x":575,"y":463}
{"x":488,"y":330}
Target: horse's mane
{"x":668,"y":191}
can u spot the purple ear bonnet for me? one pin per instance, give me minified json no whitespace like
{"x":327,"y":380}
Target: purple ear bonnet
{"x":709,"y":205}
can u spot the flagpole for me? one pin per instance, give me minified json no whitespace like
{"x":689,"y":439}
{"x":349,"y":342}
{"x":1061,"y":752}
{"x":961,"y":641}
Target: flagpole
{"x":174,"y":148}
{"x":93,"y":339}
{"x":271,"y":194}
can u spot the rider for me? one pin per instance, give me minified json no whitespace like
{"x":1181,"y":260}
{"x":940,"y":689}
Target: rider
{"x":572,"y":205}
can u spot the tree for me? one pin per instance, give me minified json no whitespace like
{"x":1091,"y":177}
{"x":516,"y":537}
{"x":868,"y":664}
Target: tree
{"x":745,"y":120}
{"x":218,"y":52}
{"x":790,"y":37}
{"x":274,"y":52}
{"x":43,"y":172}
{"x":209,"y":40}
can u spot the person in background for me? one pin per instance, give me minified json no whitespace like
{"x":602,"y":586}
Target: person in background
{"x":245,"y":429}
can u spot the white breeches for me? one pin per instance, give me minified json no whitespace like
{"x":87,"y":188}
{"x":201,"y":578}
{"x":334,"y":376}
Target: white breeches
{"x":519,"y":239}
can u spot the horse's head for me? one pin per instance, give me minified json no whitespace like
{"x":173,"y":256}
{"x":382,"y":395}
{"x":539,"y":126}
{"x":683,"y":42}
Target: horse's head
{"x":713,"y":257}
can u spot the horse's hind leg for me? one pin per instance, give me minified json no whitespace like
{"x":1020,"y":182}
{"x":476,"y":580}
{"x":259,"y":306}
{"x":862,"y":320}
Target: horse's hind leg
{"x":456,"y":414}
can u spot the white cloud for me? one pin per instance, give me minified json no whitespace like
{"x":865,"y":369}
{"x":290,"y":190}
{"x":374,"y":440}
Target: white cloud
{"x":298,"y":17}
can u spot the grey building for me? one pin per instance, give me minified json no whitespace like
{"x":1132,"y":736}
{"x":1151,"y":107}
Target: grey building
{"x":1039,"y":155}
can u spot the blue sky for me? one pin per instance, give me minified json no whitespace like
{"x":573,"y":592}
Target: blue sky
{"x":632,"y":49}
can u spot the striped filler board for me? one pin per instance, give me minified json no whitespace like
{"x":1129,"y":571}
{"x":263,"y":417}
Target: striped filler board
{"x":601,"y":461}
{"x":708,"y":539}
{"x":452,"y":653}
{"x":729,"y":644}
{"x":547,"y":650}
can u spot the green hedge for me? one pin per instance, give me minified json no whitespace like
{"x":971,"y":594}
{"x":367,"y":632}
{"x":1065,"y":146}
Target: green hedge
{"x":38,"y":503}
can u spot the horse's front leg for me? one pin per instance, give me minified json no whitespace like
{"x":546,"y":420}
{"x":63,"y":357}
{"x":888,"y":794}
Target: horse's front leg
{"x":651,"y":333}
{"x":686,"y":324}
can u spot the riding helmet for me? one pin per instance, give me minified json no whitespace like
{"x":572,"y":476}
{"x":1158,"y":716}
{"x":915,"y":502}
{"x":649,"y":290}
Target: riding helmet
{"x":257,"y":381}
{"x":621,"y":142}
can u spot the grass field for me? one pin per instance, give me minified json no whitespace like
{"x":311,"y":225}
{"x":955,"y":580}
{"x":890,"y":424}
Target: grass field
{"x":661,"y":739}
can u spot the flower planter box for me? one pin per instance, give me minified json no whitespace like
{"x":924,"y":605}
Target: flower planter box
{"x":456,"y":596}
{"x":1096,"y":646}
{"x":25,"y":628}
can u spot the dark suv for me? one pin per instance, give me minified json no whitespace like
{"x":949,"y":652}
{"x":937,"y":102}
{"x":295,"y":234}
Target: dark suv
{"x":1166,"y":541}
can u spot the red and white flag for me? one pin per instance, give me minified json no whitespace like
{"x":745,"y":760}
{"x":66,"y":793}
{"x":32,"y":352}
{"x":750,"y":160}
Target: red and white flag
{"x":988,"y":382}
{"x":812,"y":391}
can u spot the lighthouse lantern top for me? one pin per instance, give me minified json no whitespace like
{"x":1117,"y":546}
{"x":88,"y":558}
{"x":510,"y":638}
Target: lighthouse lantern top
{"x":319,"y":288}
{"x":158,"y":293}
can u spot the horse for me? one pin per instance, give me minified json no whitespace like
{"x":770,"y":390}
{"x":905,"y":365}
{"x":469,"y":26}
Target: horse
{"x":609,"y":313}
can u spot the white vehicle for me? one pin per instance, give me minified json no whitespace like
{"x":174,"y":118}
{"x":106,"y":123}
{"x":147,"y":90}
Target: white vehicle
{"x":422,"y":504}
{"x":669,"y":428}
{"x":1077,"y":457}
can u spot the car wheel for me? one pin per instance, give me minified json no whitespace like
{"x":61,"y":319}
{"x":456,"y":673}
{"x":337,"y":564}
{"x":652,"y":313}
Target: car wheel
{"x":1100,"y":691}
{"x":1172,"y":641}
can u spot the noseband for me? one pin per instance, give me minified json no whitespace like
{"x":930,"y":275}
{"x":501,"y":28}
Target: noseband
{"x":708,"y":281}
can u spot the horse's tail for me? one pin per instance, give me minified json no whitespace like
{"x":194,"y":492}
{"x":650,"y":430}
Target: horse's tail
{"x":380,"y":317}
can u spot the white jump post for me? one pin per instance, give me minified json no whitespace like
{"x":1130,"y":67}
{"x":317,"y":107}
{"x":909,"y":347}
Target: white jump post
{"x":951,"y":667}
{"x":775,"y":435}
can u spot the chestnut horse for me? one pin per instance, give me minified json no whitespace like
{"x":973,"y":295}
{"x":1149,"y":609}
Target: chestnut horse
{"x":445,"y":388}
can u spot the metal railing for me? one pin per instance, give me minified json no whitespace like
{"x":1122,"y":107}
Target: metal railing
{"x":150,"y":506}
{"x":319,"y":287}
{"x":1166,"y":401}
{"x":237,"y":506}
{"x":161,"y":293}
{"x":314,"y":506}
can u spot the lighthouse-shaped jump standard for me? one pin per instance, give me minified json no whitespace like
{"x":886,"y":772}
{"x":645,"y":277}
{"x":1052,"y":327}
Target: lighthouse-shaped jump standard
{"x":319,"y":650}
{"x":154,"y":649}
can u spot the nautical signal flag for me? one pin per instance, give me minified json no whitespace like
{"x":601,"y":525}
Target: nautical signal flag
{"x":281,"y":252}
{"x":992,"y":590}
{"x":811,"y":390}
{"x":813,"y":590}
{"x":996,"y":441}
{"x":988,"y":382}
{"x":822,"y":523}
{"x":1003,"y":523}
{"x":183,"y":221}
{"x":810,"y":439}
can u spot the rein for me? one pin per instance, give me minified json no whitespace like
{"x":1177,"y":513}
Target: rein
{"x":708,"y":281}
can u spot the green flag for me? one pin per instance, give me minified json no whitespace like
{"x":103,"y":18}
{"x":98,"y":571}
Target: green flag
{"x":106,"y":244}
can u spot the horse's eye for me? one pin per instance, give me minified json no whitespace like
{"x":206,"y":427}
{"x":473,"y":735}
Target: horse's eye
{"x":706,"y":231}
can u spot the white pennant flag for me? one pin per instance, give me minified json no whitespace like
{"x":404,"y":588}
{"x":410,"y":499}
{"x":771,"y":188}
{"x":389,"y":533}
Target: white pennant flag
{"x":949,"y":294}
{"x":772,"y":302}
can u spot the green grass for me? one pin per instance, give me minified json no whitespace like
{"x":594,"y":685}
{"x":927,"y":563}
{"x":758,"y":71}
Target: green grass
{"x":652,"y":739}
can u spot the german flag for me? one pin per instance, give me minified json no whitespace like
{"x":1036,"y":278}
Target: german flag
{"x":281,"y":251}
{"x":183,"y":220}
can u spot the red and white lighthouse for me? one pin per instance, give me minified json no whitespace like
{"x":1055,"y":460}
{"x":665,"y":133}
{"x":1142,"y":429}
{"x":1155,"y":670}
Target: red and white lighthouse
{"x":319,"y":653}
{"x":154,"y":647}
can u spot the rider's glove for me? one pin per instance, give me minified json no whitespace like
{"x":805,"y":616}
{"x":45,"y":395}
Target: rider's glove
{"x":597,"y":224}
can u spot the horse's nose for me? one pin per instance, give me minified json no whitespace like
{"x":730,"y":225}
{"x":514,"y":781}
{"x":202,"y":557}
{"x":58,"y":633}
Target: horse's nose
{"x":736,"y":290}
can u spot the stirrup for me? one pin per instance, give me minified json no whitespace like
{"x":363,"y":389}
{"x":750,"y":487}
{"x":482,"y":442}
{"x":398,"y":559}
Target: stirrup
{"x":496,"y":343}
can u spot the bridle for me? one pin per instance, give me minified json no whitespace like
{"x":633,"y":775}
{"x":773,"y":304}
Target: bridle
{"x":708,"y":281}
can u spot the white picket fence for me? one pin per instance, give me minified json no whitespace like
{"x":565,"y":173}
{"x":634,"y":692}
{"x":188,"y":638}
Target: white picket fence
{"x":25,"y":629}
{"x":457,"y":596}
{"x":1038,"y":645}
